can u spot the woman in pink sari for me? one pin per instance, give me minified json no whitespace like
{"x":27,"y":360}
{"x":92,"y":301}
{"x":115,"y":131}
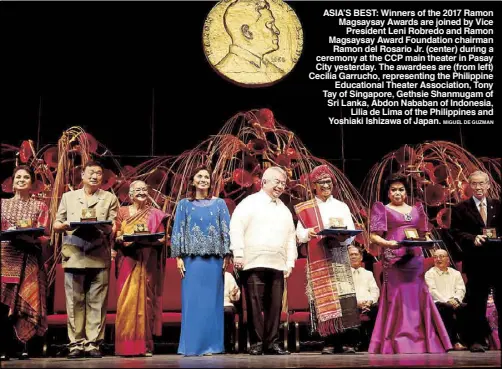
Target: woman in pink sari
{"x":140,"y":273}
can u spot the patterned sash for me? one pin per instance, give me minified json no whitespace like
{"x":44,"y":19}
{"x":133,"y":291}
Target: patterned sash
{"x":330,"y":286}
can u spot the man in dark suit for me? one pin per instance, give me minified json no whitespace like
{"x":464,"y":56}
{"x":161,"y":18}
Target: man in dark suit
{"x":481,"y":255}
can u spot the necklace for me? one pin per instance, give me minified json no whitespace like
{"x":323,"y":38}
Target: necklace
{"x":407,"y":216}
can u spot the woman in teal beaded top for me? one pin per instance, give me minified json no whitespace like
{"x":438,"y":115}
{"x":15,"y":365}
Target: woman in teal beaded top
{"x":200,"y":242}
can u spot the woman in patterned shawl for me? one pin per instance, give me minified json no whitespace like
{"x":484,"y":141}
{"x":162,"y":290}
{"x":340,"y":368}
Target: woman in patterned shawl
{"x":140,"y":275}
{"x":22,"y":296}
{"x":200,"y":242}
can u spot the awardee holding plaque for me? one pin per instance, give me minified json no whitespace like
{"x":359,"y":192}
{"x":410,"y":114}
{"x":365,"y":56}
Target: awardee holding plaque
{"x":476,"y":224}
{"x":140,"y":273}
{"x":22,"y":294}
{"x":333,"y":295}
{"x":86,"y":217}
{"x":408,"y":320}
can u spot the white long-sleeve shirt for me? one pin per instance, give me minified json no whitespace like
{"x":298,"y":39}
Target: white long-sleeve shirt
{"x":262,"y":231}
{"x":445,"y":285}
{"x":230,"y":284}
{"x":366,"y":286}
{"x":331,"y":208}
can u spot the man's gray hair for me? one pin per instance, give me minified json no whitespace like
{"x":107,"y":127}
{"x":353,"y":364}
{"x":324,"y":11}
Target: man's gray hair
{"x":479,"y":173}
{"x":267,"y":174}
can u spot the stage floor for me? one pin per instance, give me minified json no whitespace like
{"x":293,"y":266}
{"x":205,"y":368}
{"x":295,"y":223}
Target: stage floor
{"x":302,"y":360}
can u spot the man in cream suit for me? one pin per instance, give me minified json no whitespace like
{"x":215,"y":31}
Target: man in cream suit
{"x":86,"y":255}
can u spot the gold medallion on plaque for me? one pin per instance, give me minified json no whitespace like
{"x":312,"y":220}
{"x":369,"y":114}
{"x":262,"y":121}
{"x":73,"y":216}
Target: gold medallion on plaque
{"x":252,"y":43}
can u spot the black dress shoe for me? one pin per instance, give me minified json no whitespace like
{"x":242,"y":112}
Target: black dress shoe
{"x":349,"y":350}
{"x":76,"y":354}
{"x":338,"y":349}
{"x":276,"y":350}
{"x":328,"y":350}
{"x":24,"y":356}
{"x":476,"y":347}
{"x":95,"y":354}
{"x":256,"y":349}
{"x":4,"y":357}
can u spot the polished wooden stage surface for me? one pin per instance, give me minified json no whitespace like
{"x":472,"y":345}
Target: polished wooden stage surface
{"x":302,"y":360}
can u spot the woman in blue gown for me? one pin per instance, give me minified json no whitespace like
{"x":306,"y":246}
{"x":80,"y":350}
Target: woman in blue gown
{"x":200,"y":242}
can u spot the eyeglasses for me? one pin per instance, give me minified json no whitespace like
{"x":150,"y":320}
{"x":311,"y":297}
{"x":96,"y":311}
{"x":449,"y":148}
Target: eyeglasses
{"x":324,"y":182}
{"x":440,"y":257}
{"x":138,"y":190}
{"x":476,"y":184}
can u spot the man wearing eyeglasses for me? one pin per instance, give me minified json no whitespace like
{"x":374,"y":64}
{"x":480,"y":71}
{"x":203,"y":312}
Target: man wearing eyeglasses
{"x":262,"y":238}
{"x":481,"y":255}
{"x":447,"y":289}
{"x":336,"y":312}
{"x":86,"y":258}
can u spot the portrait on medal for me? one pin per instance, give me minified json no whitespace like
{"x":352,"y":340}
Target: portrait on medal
{"x":252,"y":42}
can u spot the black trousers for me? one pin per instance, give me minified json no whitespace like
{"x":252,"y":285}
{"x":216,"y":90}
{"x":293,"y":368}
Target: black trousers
{"x":349,"y":337}
{"x":368,"y":319}
{"x":453,"y":320}
{"x":264,"y":290}
{"x":229,"y":328}
{"x":478,"y":289}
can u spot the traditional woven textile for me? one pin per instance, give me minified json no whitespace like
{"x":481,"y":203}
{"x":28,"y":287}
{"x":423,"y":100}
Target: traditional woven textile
{"x":330,"y":286}
{"x":23,"y":287}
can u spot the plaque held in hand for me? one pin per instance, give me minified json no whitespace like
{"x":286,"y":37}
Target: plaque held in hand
{"x":88,"y":215}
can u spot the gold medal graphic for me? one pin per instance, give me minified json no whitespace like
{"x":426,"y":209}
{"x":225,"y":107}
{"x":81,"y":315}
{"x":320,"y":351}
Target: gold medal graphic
{"x":253,"y":43}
